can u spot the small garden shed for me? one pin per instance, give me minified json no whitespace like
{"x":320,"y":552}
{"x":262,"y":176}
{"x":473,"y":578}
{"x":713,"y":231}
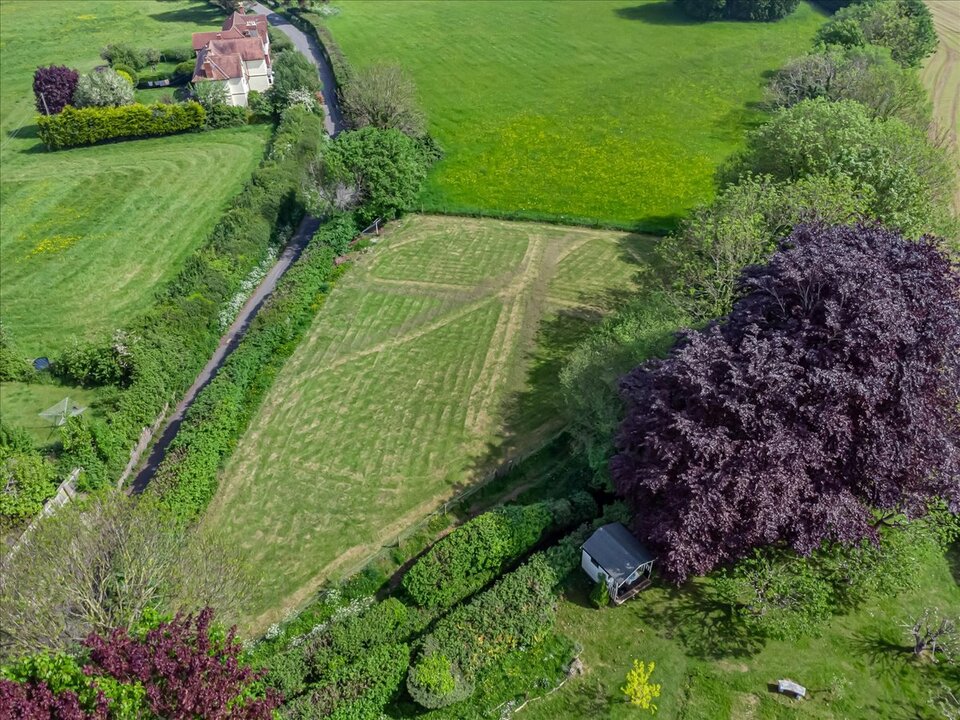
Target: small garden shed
{"x":614,"y":554}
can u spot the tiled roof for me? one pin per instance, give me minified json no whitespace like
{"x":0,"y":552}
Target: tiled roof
{"x":235,"y":27}
{"x":214,"y":66}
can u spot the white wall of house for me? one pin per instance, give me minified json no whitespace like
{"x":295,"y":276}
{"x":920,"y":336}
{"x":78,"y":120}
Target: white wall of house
{"x":259,"y":74}
{"x":237,"y":90}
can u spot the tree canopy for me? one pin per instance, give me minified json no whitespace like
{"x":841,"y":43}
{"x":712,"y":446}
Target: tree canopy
{"x":831,"y":391}
{"x":903,"y":26}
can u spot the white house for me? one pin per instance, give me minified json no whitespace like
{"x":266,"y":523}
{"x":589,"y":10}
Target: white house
{"x":614,"y":555}
{"x":238,"y":56}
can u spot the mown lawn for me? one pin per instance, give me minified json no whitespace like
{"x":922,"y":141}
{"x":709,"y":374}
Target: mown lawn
{"x":87,"y":236}
{"x":432,"y":360}
{"x":610,"y":110}
{"x":859,"y":668}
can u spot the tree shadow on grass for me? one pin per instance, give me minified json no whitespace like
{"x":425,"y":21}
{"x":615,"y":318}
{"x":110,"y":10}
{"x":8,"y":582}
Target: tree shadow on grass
{"x":887,"y":654}
{"x":200,"y":14}
{"x":953,"y":560}
{"x":705,"y":626}
{"x":657,"y":13}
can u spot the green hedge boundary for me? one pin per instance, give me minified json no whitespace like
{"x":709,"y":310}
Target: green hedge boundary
{"x":170,"y":343}
{"x":187,"y":478}
{"x":74,"y":127}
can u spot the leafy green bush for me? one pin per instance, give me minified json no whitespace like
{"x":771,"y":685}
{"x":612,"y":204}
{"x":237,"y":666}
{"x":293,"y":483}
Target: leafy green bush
{"x":908,"y":182}
{"x":865,"y":74}
{"x":124,"y":54}
{"x":518,"y":611}
{"x":182,"y":73}
{"x":903,"y":26}
{"x":472,"y":555}
{"x":130,"y":73}
{"x":178,"y":334}
{"x":102,"y":88}
{"x":291,"y":71}
{"x":753,"y":10}
{"x":26,"y":481}
{"x":87,"y":126}
{"x":224,"y":116}
{"x":13,"y":363}
{"x":600,"y":594}
{"x":177,"y":55}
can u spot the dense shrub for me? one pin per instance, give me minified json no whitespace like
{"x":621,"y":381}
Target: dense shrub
{"x":183,"y":72}
{"x":742,"y":227}
{"x":103,"y":88}
{"x":472,"y":555}
{"x":381,"y":170}
{"x":177,"y":335}
{"x":26,"y":481}
{"x":908,"y":182}
{"x":177,"y":670}
{"x":349,"y":669}
{"x":177,"y":55}
{"x":53,"y":88}
{"x":385,"y":97}
{"x":828,"y":393}
{"x":127,"y":73}
{"x":91,"y":125}
{"x":903,"y":26}
{"x":187,"y":477}
{"x":518,"y":611}
{"x":224,"y":116}
{"x":291,"y":71}
{"x":752,"y":10}
{"x":126,"y":54}
{"x":13,"y":363}
{"x":88,"y":364}
{"x":865,"y":74}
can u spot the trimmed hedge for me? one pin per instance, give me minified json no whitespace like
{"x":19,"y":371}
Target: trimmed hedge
{"x":186,"y":479}
{"x":474,"y":554}
{"x":172,"y":341}
{"x":85,"y":126}
{"x":349,"y":671}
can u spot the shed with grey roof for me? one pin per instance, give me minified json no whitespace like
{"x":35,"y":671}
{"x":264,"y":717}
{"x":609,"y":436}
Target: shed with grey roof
{"x":613,"y":554}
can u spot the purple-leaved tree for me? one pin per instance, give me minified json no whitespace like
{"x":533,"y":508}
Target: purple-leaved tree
{"x":53,"y":88}
{"x":829,"y":394}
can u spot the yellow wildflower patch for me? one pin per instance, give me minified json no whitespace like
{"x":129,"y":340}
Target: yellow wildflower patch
{"x":54,"y":244}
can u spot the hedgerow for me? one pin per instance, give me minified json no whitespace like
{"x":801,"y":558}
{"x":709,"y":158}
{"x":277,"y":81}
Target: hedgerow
{"x":475,"y":553}
{"x":85,"y":126}
{"x":187,"y":477}
{"x":171,"y":342}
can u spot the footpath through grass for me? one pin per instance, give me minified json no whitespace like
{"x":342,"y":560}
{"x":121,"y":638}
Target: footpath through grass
{"x":616,"y":111}
{"x":433,"y":360}
{"x":87,"y":236}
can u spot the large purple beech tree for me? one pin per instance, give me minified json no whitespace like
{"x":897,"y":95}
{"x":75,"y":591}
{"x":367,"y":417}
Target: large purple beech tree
{"x":53,"y":88}
{"x":830,"y":394}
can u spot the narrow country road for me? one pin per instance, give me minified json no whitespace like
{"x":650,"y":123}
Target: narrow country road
{"x":333,"y":118}
{"x":333,"y":122}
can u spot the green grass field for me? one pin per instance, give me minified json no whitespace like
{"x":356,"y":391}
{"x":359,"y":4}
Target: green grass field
{"x":611,"y":110}
{"x":88,"y":235}
{"x":432,"y":361}
{"x":941,"y":75}
{"x":859,"y":668}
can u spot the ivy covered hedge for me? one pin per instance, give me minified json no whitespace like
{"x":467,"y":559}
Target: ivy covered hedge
{"x":187,"y":477}
{"x":472,"y":555}
{"x":85,"y":126}
{"x":167,"y":346}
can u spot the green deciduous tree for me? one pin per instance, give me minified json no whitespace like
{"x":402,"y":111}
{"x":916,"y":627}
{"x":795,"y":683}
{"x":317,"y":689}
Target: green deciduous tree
{"x":639,"y":690}
{"x":865,"y":74}
{"x":385,"y":97}
{"x":904,"y":26}
{"x":291,"y":71}
{"x":908,"y":182}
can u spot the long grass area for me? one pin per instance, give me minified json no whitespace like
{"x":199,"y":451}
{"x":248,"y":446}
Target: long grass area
{"x":87,"y":236}
{"x":616,"y":111}
{"x":859,"y":668}
{"x":434,"y":359}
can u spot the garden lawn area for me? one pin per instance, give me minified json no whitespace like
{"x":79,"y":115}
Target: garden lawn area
{"x":860,"y":668}
{"x":433,"y":360}
{"x":88,"y":236}
{"x":613,"y":111}
{"x":25,"y":401}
